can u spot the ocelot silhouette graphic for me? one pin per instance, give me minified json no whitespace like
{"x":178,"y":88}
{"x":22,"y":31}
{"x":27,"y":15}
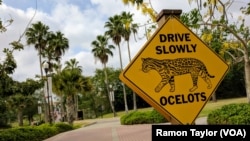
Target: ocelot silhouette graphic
{"x":169,"y":68}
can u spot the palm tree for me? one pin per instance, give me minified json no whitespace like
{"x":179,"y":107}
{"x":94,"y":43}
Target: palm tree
{"x":58,"y":90}
{"x":60,"y":44}
{"x":57,"y":45}
{"x":69,"y":82}
{"x":101,"y":51}
{"x":72,"y":65}
{"x":115,"y":28}
{"x":129,"y":27}
{"x":72,"y":84}
{"x":37,"y":35}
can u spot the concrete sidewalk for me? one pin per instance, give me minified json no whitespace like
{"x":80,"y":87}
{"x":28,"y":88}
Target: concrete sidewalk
{"x":111,"y":130}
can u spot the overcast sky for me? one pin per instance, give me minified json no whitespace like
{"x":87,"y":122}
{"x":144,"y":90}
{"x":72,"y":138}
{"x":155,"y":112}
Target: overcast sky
{"x":80,"y":21}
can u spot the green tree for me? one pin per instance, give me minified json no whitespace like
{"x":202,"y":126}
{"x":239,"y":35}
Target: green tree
{"x":145,"y":7}
{"x":235,"y":35}
{"x":19,"y":102}
{"x":70,"y":82}
{"x":57,"y":45}
{"x":2,"y":25}
{"x":101,"y":51}
{"x":60,"y":44}
{"x":129,"y":27}
{"x":57,"y":88}
{"x":73,"y":64}
{"x":3,"y":113}
{"x":29,"y":86}
{"x":7,"y":88}
{"x":102,"y":95}
{"x":38,"y":35}
{"x":23,"y":97}
{"x":115,"y":29}
{"x":7,"y":67}
{"x":49,"y":45}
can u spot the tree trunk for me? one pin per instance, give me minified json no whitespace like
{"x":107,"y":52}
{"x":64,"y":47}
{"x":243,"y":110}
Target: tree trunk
{"x":70,"y":109}
{"x":46,"y":112}
{"x":62,"y":108}
{"x":45,"y":106}
{"x":247,"y":79}
{"x":76,"y":106}
{"x":214,"y":97}
{"x":20,"y":117}
{"x":107,"y":86}
{"x":40,"y":62}
{"x":134,"y":96}
{"x":124,"y":90}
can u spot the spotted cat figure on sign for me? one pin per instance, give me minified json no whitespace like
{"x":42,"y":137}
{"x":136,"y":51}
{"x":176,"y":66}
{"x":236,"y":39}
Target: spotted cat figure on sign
{"x":169,"y":68}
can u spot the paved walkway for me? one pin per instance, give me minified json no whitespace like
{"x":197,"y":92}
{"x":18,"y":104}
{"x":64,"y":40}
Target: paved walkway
{"x":111,"y":130}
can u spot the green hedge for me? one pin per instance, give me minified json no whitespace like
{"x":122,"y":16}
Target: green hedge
{"x":232,"y":114}
{"x":33,"y":133}
{"x":139,"y":117}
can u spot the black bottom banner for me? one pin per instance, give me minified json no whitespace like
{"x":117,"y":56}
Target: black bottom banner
{"x":201,"y":132}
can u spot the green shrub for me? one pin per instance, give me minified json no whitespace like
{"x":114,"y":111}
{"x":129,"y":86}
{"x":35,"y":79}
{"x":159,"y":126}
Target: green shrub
{"x":48,"y":130}
{"x":157,"y":117}
{"x":7,"y":135}
{"x":232,"y":114}
{"x":33,"y":133}
{"x":138,"y":117}
{"x":21,"y":134}
{"x":63,"y":127}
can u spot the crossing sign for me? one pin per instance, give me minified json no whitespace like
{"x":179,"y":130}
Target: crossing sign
{"x":175,"y":72}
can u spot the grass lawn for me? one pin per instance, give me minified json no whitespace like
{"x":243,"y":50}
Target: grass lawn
{"x":205,"y":111}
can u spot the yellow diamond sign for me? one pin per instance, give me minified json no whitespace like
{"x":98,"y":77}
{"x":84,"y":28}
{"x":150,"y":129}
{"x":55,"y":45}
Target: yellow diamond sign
{"x":175,"y":72}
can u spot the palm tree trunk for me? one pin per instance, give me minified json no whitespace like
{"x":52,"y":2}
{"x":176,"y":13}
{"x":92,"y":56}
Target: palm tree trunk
{"x":40,"y":61}
{"x":46,"y":115}
{"x":134,"y":96}
{"x":62,"y":111}
{"x":76,"y":106}
{"x":107,"y":86}
{"x":124,"y":90}
{"x":70,"y":109}
{"x":62,"y":108}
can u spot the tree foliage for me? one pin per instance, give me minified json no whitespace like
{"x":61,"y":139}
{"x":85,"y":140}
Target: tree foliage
{"x":145,"y":7}
{"x":68,"y":84}
{"x":226,"y":36}
{"x":101,"y":51}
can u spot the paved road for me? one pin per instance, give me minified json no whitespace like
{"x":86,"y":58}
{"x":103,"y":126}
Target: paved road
{"x":110,"y":130}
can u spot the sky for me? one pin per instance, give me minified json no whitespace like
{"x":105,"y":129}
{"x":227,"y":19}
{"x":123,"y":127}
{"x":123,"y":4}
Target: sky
{"x":80,"y":21}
